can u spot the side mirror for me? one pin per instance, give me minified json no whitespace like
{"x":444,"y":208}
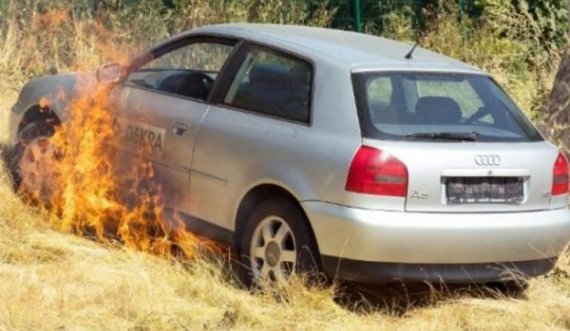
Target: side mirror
{"x":109,"y":73}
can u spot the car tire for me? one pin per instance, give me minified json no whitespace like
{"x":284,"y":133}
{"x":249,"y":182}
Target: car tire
{"x":277,"y":242}
{"x":32,"y":133}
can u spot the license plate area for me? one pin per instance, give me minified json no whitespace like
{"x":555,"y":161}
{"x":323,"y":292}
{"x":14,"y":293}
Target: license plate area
{"x":474,"y":190}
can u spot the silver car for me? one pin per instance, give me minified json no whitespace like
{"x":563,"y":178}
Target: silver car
{"x":310,"y":149}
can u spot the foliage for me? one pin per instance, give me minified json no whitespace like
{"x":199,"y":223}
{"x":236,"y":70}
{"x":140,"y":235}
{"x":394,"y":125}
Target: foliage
{"x":505,"y":39}
{"x":550,"y":17}
{"x":519,"y":42}
{"x":45,"y":36}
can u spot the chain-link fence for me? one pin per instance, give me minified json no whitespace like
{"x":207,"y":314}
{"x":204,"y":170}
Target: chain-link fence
{"x":358,"y":14}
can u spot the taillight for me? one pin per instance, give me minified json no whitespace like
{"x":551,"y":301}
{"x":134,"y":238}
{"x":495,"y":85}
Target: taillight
{"x":376,"y":172}
{"x":560,"y":176}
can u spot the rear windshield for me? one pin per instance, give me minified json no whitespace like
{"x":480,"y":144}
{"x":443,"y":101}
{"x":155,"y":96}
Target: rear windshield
{"x":438,"y":106}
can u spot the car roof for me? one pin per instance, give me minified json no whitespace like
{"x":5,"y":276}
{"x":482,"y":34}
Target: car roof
{"x":361,"y":52}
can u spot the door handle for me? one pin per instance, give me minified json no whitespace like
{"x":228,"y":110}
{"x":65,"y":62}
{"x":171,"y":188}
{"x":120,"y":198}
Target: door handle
{"x":178,"y":128}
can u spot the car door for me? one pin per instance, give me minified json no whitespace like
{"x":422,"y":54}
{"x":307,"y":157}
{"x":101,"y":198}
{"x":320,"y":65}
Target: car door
{"x":162,"y":103}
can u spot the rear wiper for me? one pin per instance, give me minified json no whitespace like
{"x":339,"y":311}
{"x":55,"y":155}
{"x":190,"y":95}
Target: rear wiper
{"x":456,"y":136}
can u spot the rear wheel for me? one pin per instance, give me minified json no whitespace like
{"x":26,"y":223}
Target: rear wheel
{"x":277,"y":243}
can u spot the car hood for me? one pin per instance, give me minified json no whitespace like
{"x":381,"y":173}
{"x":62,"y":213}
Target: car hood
{"x":55,"y":90}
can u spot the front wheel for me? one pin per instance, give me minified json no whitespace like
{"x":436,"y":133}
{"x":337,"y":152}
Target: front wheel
{"x":277,"y":242}
{"x":34,"y":164}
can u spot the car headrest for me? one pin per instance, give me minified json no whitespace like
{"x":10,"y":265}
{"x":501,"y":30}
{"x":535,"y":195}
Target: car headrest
{"x":269,"y":75}
{"x":438,"y":110}
{"x":301,"y":73}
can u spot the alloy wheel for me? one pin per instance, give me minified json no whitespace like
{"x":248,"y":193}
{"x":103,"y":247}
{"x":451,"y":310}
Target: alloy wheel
{"x":273,"y":251}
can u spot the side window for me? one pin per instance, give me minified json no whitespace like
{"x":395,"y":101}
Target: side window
{"x":188,"y":71}
{"x":271,"y":83}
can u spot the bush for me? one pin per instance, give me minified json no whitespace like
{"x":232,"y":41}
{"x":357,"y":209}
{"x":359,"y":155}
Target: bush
{"x":44,"y":36}
{"x":505,"y":39}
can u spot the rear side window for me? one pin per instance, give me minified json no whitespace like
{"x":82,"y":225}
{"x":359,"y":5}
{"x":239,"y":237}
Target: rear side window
{"x":272,"y":83}
{"x":417,"y":105}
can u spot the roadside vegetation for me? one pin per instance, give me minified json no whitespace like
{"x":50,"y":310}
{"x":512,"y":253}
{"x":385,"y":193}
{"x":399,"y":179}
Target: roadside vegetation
{"x":52,"y":280}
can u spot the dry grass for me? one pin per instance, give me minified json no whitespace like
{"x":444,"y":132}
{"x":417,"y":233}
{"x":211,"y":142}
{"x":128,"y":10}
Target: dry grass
{"x":51,"y":280}
{"x":6,"y":99}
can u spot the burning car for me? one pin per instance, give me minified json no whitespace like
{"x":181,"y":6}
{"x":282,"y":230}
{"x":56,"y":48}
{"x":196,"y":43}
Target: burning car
{"x":315,"y":150}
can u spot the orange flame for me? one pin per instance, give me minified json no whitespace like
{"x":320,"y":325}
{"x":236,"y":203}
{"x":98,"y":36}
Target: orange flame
{"x":44,"y":104}
{"x":82,"y":193}
{"x":72,"y":175}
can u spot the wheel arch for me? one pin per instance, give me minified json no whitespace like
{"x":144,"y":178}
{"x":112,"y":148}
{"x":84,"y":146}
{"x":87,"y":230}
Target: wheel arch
{"x":38,"y":113}
{"x":44,"y":118}
{"x":262,"y":192}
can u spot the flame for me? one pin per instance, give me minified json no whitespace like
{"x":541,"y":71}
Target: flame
{"x":77,"y":186}
{"x":71,"y":175}
{"x":44,"y":104}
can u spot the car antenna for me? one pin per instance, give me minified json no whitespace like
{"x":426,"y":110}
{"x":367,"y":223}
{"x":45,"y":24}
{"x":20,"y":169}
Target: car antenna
{"x":409,"y":55}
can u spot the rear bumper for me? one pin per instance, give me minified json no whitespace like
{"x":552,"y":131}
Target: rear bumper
{"x":374,"y":272}
{"x":380,"y":245}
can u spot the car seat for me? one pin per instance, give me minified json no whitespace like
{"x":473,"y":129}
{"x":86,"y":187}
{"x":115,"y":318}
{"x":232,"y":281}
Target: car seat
{"x":437,"y":110}
{"x":275,"y":90}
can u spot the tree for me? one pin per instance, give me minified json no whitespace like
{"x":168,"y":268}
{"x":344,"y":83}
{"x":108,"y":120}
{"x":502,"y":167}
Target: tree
{"x":558,"y":111}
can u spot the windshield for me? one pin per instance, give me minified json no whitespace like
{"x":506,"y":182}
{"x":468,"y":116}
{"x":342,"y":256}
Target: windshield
{"x":438,"y":106}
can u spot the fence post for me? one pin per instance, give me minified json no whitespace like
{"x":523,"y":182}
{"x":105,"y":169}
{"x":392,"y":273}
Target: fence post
{"x":357,"y":15}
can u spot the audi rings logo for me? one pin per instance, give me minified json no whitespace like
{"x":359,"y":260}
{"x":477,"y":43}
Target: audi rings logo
{"x":487,"y":160}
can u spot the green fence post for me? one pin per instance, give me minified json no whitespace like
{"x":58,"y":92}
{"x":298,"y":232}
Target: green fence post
{"x":461,"y":8}
{"x":357,"y":15}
